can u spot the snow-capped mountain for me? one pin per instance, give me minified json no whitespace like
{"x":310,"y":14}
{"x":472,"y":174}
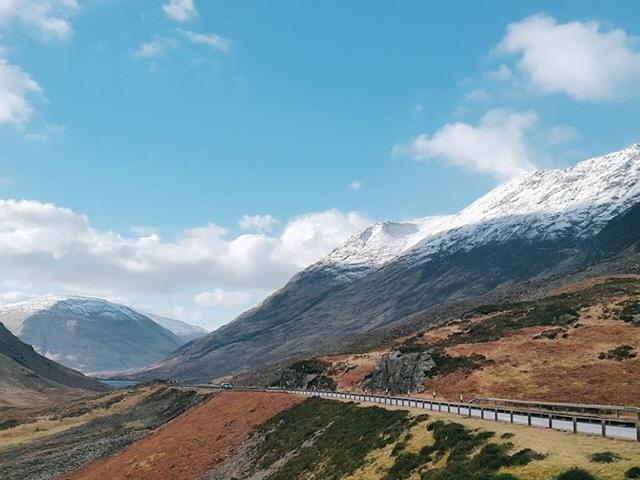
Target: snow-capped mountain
{"x":535,"y":226}
{"x":184,"y":330}
{"x":546,"y":204}
{"x":89,"y":334}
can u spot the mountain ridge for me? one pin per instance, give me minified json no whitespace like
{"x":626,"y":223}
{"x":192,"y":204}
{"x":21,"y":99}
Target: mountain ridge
{"x":531,"y":227}
{"x":92,"y":334}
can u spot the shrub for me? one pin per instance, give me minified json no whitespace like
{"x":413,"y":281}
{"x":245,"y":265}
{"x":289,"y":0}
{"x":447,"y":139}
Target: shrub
{"x":331,"y":439}
{"x":623,"y":352}
{"x":576,"y":474}
{"x":10,"y":423}
{"x":633,"y":472}
{"x":605,"y":457}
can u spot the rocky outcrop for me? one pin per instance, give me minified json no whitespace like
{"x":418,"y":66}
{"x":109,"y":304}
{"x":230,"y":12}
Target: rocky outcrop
{"x":307,"y":375}
{"x":398,"y":372}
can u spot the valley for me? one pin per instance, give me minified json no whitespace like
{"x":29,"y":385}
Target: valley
{"x":273,"y":435}
{"x":530,"y":294}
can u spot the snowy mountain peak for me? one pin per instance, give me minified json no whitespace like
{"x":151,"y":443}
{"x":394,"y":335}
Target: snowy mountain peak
{"x":376,"y":245}
{"x":577,"y":201}
{"x":14,"y":314}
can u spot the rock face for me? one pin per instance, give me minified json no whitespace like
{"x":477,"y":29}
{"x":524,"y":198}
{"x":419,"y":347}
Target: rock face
{"x":533,"y":227}
{"x":307,"y":375}
{"x":89,"y":334}
{"x":398,"y":372}
{"x":29,"y":379}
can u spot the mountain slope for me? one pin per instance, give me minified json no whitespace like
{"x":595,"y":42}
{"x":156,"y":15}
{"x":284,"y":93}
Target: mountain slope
{"x":185,"y":331}
{"x":27,"y":378}
{"x":532,"y":227}
{"x":89,"y":334}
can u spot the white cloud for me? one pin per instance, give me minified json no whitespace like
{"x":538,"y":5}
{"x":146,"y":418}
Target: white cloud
{"x":219,"y":297}
{"x":502,"y":73}
{"x":560,"y":134}
{"x":307,"y":238}
{"x":144,"y":230}
{"x":15,"y":87}
{"x":355,"y":186}
{"x":180,"y":10}
{"x":579,"y":59}
{"x":477,"y":95}
{"x":495,"y":146}
{"x":47,"y":248}
{"x":48,"y":18}
{"x":209,"y":39}
{"x":45,"y":133}
{"x":260,"y":223}
{"x":155,"y":48}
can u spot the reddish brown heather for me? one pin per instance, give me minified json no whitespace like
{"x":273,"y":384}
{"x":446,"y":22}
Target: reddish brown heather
{"x":193,"y":443}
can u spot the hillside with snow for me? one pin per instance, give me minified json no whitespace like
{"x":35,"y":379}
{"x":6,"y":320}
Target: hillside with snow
{"x":538,"y":225}
{"x":546,"y":204}
{"x":92,"y":334}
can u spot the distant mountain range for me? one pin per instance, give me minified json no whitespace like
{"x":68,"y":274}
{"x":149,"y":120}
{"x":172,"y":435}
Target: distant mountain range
{"x":183,"y":330}
{"x":27,"y":378}
{"x":94,"y":335}
{"x":535,"y":226}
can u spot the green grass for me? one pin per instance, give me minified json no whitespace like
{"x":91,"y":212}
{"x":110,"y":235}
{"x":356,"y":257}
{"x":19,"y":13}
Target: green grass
{"x":555,"y":311}
{"x":469,"y":456}
{"x":530,"y":314}
{"x":331,"y":439}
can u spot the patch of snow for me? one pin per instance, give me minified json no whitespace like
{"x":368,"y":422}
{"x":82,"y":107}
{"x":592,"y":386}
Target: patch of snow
{"x":577,"y":201}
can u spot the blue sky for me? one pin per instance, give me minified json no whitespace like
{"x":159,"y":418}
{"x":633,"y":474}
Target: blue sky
{"x":149,"y":119}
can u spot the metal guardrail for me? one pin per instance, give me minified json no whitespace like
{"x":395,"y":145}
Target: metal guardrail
{"x":597,"y":410}
{"x":568,"y":422}
{"x":603,"y":426}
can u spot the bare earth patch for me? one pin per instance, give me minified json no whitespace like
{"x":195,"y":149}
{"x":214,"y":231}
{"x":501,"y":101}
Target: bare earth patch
{"x":193,"y":443}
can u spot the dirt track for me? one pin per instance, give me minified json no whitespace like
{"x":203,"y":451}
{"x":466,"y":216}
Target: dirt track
{"x":193,"y":443}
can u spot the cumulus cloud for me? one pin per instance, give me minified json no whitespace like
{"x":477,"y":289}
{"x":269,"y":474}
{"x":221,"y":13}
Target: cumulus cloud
{"x":15,"y":88}
{"x":42,"y":245}
{"x":155,"y":48}
{"x":180,"y":10}
{"x":208,"y":39}
{"x":48,"y":18}
{"x":495,"y":146}
{"x":219,"y":297}
{"x":579,"y":59}
{"x":260,"y":223}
